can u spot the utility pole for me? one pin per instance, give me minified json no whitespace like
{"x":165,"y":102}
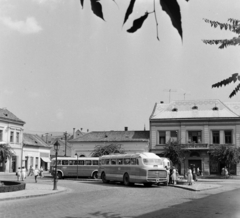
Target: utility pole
{"x":169,"y":90}
{"x":65,"y":134}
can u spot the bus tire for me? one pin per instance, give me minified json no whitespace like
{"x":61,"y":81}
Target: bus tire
{"x":59,"y":175}
{"x":165,"y":183}
{"x":95,"y":175}
{"x":126,"y":179}
{"x":148,"y":184}
{"x":103,"y":177}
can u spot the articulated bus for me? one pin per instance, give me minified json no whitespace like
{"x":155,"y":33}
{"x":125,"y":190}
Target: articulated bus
{"x":146,"y":168}
{"x":73,"y":167}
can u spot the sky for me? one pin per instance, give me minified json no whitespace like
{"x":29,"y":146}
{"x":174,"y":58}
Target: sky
{"x":62,"y":67}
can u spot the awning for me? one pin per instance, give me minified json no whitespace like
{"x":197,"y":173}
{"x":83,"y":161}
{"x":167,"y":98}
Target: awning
{"x":45,"y":159}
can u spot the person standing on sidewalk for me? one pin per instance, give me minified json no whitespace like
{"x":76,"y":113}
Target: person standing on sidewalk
{"x":23,"y":173}
{"x":30,"y":171}
{"x":36,"y":173}
{"x":174,"y":176}
{"x":41,"y":172}
{"x":189,"y":176}
{"x":18,"y":174}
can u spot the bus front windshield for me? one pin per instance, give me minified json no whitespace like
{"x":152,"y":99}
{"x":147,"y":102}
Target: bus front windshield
{"x":152,"y":161}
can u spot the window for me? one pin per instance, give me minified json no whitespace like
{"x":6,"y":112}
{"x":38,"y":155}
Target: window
{"x":216,"y":137}
{"x":174,"y":136}
{"x":95,"y":162}
{"x":17,"y":137}
{"x":113,"y":162}
{"x":134,"y":161}
{"x":88,"y":162}
{"x":70,"y":162}
{"x":11,"y":136}
{"x":64,"y":162}
{"x":194,"y":136}
{"x":1,"y":135}
{"x":107,"y":161}
{"x":120,"y":161}
{"x":162,"y":137}
{"x":127,"y":161}
{"x":228,"y":137}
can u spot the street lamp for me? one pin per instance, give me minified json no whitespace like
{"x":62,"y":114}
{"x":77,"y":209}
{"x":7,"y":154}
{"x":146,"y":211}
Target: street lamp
{"x":77,"y":165}
{"x":56,"y":147}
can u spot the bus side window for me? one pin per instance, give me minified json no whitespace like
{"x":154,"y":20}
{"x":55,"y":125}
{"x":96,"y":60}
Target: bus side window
{"x":102,"y":162}
{"x":88,"y":162}
{"x":127,"y":161}
{"x":133,"y":161}
{"x":81,"y":162}
{"x":64,"y":162}
{"x":59,"y":162}
{"x":107,"y":161}
{"x":75,"y":162}
{"x":113,"y":162}
{"x":120,"y":161}
{"x":95,"y":162}
{"x":70,"y":162}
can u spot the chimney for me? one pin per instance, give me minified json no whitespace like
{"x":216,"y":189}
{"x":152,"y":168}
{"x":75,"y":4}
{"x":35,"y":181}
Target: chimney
{"x":74,"y":133}
{"x":125,"y":128}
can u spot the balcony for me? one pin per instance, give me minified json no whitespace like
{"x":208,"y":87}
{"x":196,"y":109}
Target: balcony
{"x":196,"y":146}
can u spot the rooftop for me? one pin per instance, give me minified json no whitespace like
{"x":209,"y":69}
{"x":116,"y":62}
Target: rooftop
{"x":7,"y":115}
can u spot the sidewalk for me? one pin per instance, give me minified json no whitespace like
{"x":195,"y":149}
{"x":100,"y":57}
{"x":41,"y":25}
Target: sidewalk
{"x":32,"y":189}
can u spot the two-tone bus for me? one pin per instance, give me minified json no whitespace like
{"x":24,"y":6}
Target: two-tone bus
{"x":146,"y":168}
{"x":73,"y":167}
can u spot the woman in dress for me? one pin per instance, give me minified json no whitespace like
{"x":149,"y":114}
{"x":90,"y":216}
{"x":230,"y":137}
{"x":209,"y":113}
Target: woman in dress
{"x":174,"y":176}
{"x":190,"y":176}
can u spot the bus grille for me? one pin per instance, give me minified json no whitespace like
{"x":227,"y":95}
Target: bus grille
{"x":157,"y":174}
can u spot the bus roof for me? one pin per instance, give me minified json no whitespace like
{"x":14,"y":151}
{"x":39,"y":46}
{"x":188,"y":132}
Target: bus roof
{"x":75,"y":158}
{"x":134,"y":155}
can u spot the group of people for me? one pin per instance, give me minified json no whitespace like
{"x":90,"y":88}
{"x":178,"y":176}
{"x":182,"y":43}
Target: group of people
{"x":224,"y":172}
{"x":21,"y":173}
{"x":192,"y":175}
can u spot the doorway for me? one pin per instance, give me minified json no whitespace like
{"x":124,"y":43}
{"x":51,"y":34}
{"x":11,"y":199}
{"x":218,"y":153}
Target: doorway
{"x":195,"y":164}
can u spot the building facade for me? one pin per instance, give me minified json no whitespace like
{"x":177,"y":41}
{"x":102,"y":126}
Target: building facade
{"x":196,"y":125}
{"x":130,"y":141}
{"x":35,"y":152}
{"x":11,"y":133}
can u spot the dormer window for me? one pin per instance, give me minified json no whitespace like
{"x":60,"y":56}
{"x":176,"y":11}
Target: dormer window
{"x":175,"y":109}
{"x":195,"y":107}
{"x":215,"y":108}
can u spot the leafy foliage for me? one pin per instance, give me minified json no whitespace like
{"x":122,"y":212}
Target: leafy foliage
{"x":5,"y":152}
{"x":100,"y":150}
{"x":226,"y":154}
{"x":171,"y":7}
{"x":234,"y":26}
{"x":175,"y":152}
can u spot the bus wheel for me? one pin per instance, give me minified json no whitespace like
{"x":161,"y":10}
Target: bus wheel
{"x":165,"y":183}
{"x":147,"y":184}
{"x":126,"y":179}
{"x":95,"y":176}
{"x":103,"y":177}
{"x":59,"y":175}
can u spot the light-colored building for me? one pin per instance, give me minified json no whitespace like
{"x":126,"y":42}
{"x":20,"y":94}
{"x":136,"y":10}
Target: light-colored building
{"x":35,"y":152}
{"x":130,"y":141}
{"x":11,"y":133}
{"x":196,"y":124}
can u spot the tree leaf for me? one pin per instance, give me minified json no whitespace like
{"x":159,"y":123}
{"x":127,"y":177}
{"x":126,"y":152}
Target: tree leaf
{"x":137,"y":24}
{"x":172,"y":8}
{"x":97,"y":8}
{"x":129,"y":10}
{"x":82,"y":1}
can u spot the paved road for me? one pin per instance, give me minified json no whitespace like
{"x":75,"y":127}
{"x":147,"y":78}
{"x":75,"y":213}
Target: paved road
{"x":94,"y":199}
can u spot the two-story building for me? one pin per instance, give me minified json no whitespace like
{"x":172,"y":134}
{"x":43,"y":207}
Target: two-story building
{"x":11,"y":133}
{"x":196,"y":124}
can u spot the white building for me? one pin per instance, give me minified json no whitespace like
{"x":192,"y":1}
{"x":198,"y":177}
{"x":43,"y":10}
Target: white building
{"x":11,"y":133}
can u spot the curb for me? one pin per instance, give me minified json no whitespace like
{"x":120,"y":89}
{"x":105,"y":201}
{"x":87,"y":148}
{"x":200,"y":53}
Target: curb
{"x":33,"y":196}
{"x":192,"y":189}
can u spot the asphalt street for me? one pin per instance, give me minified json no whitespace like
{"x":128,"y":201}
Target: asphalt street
{"x":87,"y":199}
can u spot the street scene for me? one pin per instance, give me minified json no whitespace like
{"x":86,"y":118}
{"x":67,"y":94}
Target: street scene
{"x":119,"y":109}
{"x":90,"y":198}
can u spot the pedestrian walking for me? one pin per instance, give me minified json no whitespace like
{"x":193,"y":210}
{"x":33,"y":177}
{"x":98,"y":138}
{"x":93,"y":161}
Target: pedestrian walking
{"x":168,"y":173}
{"x":18,"y":174}
{"x":174,"y":176}
{"x":30,"y":171}
{"x":189,"y":176}
{"x":170,"y":176}
{"x":36,"y":173}
{"x":41,"y":172}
